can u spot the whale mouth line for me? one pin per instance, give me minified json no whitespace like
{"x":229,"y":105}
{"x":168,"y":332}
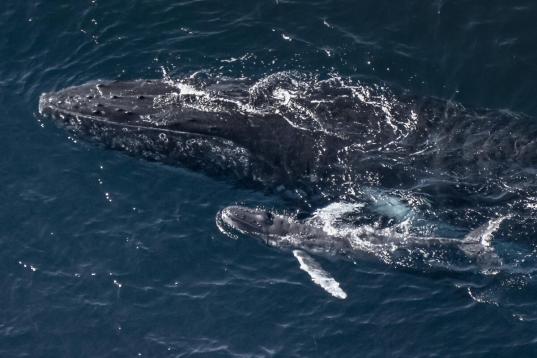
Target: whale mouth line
{"x":54,"y":111}
{"x":234,"y":221}
{"x":231,"y":219}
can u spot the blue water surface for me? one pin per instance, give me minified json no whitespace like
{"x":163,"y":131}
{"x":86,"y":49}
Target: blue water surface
{"x":106,"y":255}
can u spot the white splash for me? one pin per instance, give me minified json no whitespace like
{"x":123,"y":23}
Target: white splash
{"x":329,"y":215}
{"x":186,"y":89}
{"x":286,"y":37}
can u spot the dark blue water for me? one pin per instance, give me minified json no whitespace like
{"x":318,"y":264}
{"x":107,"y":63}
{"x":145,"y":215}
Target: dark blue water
{"x":102,"y":254}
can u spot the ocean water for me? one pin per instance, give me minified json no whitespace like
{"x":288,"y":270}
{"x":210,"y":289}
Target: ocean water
{"x":107,"y":255}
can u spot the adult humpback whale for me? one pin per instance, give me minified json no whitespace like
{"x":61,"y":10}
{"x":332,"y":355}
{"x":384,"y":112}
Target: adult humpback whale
{"x":321,"y":139}
{"x":316,"y":141}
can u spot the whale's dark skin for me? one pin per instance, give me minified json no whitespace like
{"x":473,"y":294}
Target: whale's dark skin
{"x":344,"y":143}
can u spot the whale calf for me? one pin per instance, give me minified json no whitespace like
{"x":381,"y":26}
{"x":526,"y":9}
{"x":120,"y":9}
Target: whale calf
{"x":305,"y":238}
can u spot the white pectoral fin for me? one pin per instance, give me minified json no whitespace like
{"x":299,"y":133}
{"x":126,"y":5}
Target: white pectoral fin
{"x":319,"y":275}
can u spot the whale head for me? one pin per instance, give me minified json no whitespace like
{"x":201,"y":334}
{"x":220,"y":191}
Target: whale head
{"x":144,"y":104}
{"x":178,"y":124}
{"x":278,"y":230}
{"x":256,"y":221}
